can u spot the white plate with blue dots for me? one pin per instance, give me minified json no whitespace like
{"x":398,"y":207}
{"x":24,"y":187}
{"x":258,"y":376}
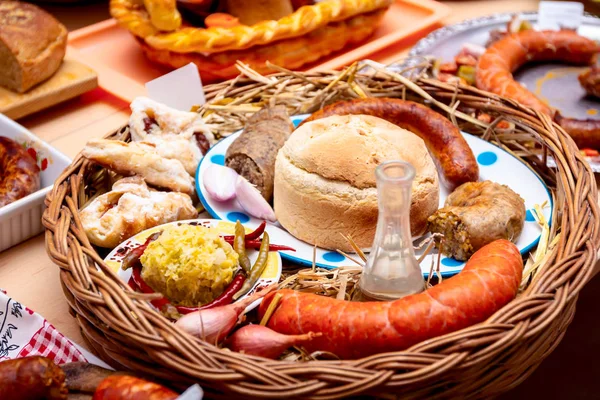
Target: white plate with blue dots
{"x":495,"y":164}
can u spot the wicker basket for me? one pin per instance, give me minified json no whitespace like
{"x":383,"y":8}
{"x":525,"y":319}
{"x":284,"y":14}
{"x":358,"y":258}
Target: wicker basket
{"x":478,"y":362}
{"x":310,"y":33}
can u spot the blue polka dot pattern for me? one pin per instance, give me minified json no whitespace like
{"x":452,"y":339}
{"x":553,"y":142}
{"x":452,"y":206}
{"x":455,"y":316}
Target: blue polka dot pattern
{"x":451,"y":262}
{"x":218,"y":159}
{"x":333,"y":256}
{"x":234,"y":216}
{"x":529,"y":216}
{"x":487,"y":158}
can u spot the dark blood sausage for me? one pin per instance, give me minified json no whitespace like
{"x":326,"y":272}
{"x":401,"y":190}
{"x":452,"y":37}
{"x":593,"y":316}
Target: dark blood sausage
{"x":32,"y":378}
{"x":253,"y":153}
{"x":122,"y":387}
{"x":85,"y":377}
{"x":19,"y":173}
{"x":448,"y":148}
{"x":352,"y":330}
{"x":585,"y":132}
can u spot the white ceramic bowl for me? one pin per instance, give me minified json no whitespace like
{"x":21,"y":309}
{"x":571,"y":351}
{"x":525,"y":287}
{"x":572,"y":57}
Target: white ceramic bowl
{"x":22,"y":219}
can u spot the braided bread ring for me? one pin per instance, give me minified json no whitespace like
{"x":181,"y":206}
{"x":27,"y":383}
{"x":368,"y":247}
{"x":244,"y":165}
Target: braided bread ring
{"x":131,"y":15}
{"x":163,"y":14}
{"x":290,"y":53}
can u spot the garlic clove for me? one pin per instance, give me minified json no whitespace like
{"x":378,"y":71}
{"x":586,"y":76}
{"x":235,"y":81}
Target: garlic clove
{"x":220,"y":182}
{"x":252,"y":201}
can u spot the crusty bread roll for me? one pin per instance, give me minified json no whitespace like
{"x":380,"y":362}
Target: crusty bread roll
{"x":325,"y":181}
{"x":32,"y":45}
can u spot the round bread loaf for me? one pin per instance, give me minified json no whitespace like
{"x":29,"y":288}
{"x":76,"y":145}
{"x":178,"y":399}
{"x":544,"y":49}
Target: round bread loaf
{"x":325,"y":183}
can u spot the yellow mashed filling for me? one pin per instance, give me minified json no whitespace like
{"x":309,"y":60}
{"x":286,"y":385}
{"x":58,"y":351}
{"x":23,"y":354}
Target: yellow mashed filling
{"x":190,"y":265}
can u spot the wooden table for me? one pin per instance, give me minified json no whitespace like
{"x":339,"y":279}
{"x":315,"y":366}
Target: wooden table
{"x":29,"y":276}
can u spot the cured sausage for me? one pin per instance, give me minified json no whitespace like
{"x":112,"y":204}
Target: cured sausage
{"x":253,"y":153}
{"x":123,"y":387}
{"x":585,"y":132}
{"x":449,"y":149}
{"x":502,"y":58}
{"x":32,"y":378}
{"x":19,"y":173}
{"x":351,"y":330}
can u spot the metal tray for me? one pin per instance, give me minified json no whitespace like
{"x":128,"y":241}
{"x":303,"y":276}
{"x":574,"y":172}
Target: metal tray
{"x":547,"y":80}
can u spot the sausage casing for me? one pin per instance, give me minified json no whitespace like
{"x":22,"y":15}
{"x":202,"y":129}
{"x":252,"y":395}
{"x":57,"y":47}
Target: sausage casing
{"x":353,"y":329}
{"x":450,"y":151}
{"x":19,"y":173}
{"x":123,"y":387}
{"x":585,"y":132}
{"x":32,"y":378}
{"x":502,"y":58}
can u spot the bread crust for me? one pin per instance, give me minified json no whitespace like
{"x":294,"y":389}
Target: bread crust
{"x":325,"y":179}
{"x":32,"y":45}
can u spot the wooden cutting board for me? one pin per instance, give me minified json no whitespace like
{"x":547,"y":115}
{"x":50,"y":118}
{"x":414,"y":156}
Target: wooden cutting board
{"x":71,"y":80}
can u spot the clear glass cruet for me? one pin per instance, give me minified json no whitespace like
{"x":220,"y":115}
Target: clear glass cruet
{"x":392,"y":270}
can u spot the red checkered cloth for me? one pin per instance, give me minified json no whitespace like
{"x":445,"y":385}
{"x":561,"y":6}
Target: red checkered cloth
{"x":26,"y":333}
{"x":49,"y":342}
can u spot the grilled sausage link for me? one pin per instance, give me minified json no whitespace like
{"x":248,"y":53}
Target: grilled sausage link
{"x":124,"y":387}
{"x":32,"y":378}
{"x":19,"y":173}
{"x":449,"y":149}
{"x":585,"y":132}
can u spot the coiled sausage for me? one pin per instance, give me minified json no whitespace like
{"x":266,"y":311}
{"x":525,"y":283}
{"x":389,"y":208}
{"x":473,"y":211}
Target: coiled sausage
{"x":495,"y":67}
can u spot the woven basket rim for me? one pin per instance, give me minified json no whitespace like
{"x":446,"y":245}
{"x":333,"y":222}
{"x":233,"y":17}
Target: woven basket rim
{"x":533,"y":323}
{"x":211,"y":40}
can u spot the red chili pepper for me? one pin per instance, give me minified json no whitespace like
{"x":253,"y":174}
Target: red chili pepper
{"x":136,"y":282}
{"x":224,"y":298}
{"x":132,"y":284}
{"x":133,"y":256}
{"x":257,"y":232}
{"x":589,"y":152}
{"x":252,"y":235}
{"x":136,"y":275}
{"x":255,"y":244}
{"x":449,"y":67}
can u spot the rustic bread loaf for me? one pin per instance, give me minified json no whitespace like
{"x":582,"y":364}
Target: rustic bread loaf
{"x":325,"y":183}
{"x":32,"y":45}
